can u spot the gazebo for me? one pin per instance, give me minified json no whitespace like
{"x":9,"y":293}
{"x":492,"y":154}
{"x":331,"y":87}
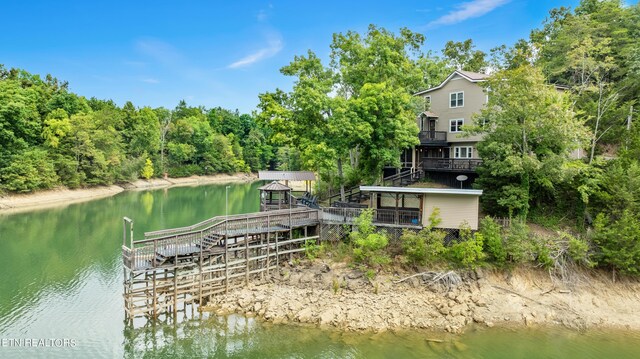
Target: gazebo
{"x":274,"y":196}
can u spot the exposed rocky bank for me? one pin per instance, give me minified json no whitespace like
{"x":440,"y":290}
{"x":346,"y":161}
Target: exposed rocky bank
{"x":331,"y":294}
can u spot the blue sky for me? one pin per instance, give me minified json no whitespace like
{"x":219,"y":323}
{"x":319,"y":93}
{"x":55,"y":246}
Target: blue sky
{"x":224,"y":53}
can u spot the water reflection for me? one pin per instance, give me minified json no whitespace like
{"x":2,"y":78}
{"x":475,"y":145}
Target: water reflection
{"x":62,"y":270}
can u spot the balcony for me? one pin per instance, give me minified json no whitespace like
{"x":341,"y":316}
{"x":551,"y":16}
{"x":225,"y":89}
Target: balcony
{"x":434,"y":138}
{"x":450,"y":164}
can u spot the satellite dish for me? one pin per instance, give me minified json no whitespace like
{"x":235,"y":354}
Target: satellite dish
{"x":462,"y":178}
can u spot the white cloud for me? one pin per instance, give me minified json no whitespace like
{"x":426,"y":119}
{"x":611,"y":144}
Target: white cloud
{"x":150,"y":80}
{"x":158,"y":50}
{"x":468,"y":10}
{"x":274,"y":45}
{"x":262,"y":15}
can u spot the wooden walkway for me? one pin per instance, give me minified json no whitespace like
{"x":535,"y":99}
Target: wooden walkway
{"x":184,"y":267}
{"x":167,"y":248}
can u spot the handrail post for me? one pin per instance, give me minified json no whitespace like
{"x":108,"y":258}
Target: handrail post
{"x":124,"y":230}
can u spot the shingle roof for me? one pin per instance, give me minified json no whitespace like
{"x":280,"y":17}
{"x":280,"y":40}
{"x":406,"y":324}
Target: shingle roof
{"x":286,"y":175}
{"x":430,"y":114}
{"x":476,"y":76}
{"x":470,"y":76}
{"x":275,"y":187}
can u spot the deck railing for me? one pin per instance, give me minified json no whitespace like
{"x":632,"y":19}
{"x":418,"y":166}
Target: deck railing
{"x":380,"y":216}
{"x":193,"y":239}
{"x":428,"y":137}
{"x":450,"y":164}
{"x":403,"y":178}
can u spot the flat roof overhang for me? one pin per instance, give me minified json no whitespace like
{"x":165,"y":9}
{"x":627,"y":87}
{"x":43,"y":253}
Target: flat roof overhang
{"x":413,"y":190}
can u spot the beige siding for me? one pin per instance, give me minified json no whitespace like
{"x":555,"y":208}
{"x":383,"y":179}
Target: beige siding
{"x":474,"y":100}
{"x":454,"y":209}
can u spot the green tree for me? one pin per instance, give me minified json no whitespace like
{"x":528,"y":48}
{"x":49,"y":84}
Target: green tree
{"x":145,"y":133}
{"x":147,"y":170}
{"x":368,"y":245}
{"x":529,"y":130}
{"x":426,"y":245}
{"x":359,"y":106}
{"x":464,"y":56}
{"x":592,"y":49}
{"x":29,"y":171}
{"x":467,"y":251}
{"x":618,"y":240}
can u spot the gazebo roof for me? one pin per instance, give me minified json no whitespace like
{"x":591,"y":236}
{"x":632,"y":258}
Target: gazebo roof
{"x":275,"y":187}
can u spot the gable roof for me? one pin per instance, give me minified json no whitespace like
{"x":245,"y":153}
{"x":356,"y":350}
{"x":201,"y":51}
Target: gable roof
{"x":275,"y":187}
{"x":467,"y":75}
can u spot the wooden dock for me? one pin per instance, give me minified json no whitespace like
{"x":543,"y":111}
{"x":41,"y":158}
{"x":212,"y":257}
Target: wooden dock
{"x":173,"y":268}
{"x":169,"y":270}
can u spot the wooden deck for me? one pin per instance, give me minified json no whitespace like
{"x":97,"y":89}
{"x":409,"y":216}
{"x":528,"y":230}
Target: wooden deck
{"x":171,"y":246}
{"x":184,"y":267}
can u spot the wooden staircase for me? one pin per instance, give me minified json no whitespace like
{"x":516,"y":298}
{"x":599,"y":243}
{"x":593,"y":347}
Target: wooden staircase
{"x":354,"y":197}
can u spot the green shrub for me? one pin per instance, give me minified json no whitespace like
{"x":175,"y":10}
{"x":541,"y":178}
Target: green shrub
{"x":618,"y":242}
{"x":31,"y":170}
{"x":313,"y":250}
{"x":493,"y":245}
{"x":426,"y":245}
{"x":542,"y":248}
{"x":517,"y":244}
{"x":578,"y":249}
{"x":368,"y":246}
{"x":467,"y":252}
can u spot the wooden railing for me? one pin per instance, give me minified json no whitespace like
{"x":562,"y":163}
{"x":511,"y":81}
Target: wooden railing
{"x":380,"y":216}
{"x":352,"y":194}
{"x":403,"y":178}
{"x":429,"y":137}
{"x":450,"y":164}
{"x":158,"y":246}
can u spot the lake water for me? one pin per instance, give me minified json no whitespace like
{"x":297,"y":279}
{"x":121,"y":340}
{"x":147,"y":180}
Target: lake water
{"x":61,"y":287}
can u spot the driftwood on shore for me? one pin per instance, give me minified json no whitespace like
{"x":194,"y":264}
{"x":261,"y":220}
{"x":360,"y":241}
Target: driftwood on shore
{"x":448,"y":279}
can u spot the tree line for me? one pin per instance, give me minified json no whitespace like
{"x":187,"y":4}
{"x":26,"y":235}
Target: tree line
{"x":50,"y":136}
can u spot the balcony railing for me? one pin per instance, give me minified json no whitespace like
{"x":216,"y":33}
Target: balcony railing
{"x":400,"y":217}
{"x":432,"y":137}
{"x":451,"y":164}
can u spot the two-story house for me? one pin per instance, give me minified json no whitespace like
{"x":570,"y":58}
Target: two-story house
{"x":443,"y":153}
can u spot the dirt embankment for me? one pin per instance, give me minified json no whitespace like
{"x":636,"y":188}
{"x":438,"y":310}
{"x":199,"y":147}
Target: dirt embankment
{"x":331,"y":294}
{"x":63,"y":196}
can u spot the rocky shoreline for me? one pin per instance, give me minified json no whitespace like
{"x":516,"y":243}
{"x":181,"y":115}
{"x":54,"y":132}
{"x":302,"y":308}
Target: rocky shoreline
{"x":63,"y":196}
{"x":333,"y":295}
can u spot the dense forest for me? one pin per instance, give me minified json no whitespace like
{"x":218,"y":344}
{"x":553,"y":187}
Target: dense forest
{"x":349,"y":118}
{"x":50,"y":137}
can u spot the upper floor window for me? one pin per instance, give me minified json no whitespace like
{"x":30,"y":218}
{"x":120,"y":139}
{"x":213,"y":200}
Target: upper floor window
{"x":456,"y":125}
{"x":463,"y":152}
{"x":456,"y":99}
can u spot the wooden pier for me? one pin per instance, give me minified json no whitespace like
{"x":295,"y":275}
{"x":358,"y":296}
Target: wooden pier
{"x":170,"y":269}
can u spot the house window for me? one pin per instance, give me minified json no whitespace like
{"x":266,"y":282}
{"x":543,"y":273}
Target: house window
{"x":463,"y":152}
{"x":456,"y":125}
{"x":456,"y":99}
